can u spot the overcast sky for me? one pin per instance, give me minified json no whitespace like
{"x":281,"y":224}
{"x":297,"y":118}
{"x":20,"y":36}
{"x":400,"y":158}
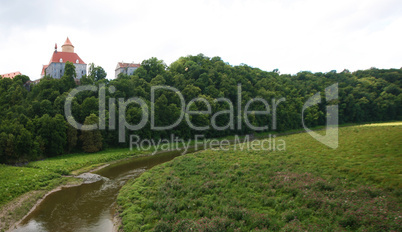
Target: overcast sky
{"x":290,"y":35}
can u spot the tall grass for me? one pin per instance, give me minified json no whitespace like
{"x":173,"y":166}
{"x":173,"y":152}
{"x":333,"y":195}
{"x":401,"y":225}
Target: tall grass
{"x":356,"y":187}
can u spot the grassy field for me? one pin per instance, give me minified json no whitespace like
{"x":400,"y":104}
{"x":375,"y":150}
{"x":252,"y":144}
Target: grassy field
{"x":19,"y":180}
{"x":68,"y":164}
{"x":308,"y":187}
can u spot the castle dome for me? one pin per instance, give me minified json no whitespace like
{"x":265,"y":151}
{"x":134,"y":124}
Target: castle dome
{"x":67,"y":46}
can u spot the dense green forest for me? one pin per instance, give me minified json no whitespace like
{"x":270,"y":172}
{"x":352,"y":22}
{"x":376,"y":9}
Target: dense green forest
{"x":33,"y":125}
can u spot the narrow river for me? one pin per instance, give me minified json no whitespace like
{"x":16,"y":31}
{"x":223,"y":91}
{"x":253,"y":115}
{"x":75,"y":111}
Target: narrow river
{"x":89,"y":207}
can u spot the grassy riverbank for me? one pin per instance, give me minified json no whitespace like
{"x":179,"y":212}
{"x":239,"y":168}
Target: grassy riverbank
{"x":310,"y":187}
{"x":41,"y":174}
{"x":45,"y":174}
{"x":21,"y":187}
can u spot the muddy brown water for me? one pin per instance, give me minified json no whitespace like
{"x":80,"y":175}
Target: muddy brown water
{"x":89,"y":207}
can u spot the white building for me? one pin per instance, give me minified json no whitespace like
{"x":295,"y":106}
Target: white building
{"x":126,"y":68}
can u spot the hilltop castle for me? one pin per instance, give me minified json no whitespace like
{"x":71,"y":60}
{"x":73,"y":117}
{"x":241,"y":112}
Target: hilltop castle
{"x":55,"y":68}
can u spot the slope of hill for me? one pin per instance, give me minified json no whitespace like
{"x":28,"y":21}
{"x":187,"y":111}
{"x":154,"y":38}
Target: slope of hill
{"x":307,"y":187}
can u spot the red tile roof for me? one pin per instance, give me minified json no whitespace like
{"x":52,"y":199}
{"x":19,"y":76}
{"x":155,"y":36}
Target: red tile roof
{"x":66,"y":56}
{"x":68,"y":42}
{"x":126,"y":65}
{"x":11,"y":75}
{"x":43,"y":69}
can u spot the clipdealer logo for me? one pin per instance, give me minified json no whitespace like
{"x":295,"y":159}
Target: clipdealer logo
{"x":148,"y":113}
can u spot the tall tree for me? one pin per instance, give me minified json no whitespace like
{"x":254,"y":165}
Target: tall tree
{"x":69,"y":76}
{"x":91,"y":140}
{"x":96,"y":73}
{"x":151,"y":68}
{"x":53,"y":133}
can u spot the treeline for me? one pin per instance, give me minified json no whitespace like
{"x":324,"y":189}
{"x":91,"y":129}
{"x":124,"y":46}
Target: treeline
{"x":33,"y":123}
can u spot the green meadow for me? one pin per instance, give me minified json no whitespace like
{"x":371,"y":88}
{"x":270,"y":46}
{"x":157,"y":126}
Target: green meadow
{"x":69,"y":164}
{"x":308,"y":187}
{"x":19,"y":180}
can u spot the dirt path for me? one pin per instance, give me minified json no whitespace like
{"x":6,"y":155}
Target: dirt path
{"x":16,"y":209}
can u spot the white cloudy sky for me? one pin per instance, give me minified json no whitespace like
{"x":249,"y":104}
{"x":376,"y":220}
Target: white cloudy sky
{"x":291,"y":35}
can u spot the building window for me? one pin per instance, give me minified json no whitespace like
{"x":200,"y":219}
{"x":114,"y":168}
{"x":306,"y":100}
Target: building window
{"x":61,"y":60}
{"x":77,"y":61}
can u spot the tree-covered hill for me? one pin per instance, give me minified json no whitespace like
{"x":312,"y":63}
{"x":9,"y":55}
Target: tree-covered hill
{"x":33,"y":123}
